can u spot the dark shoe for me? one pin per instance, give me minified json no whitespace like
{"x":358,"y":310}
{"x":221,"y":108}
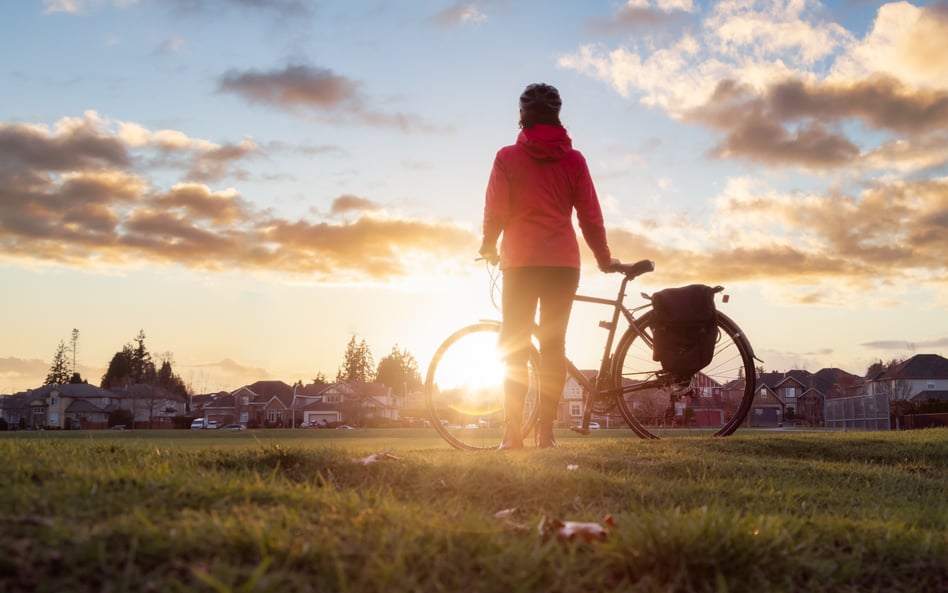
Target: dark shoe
{"x":512,"y":439}
{"x":510,"y":445}
{"x":544,"y":437}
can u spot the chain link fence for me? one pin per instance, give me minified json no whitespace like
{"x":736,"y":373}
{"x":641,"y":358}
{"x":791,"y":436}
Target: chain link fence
{"x":863,"y":412}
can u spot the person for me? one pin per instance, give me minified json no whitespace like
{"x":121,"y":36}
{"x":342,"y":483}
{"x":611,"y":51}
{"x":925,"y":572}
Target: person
{"x":533,"y":189}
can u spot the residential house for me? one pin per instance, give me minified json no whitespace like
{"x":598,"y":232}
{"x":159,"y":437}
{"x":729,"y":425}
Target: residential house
{"x":924,"y":377}
{"x":151,"y":406}
{"x":279,"y":405}
{"x":364,"y":404}
{"x":710,"y":404}
{"x":768,"y":408}
{"x":917,"y":390}
{"x":798,"y":396}
{"x":260,"y":404}
{"x":78,"y":405}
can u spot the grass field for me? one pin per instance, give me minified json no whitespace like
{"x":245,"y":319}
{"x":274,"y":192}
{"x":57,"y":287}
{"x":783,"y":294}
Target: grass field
{"x":288,"y":511}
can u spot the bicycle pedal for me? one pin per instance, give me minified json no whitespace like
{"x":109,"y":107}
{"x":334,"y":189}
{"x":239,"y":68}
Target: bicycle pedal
{"x":682,"y":388}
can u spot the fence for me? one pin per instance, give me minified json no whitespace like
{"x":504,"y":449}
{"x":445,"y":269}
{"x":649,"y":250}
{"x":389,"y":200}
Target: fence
{"x":864,"y":412}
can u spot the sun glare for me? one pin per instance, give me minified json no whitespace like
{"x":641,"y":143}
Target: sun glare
{"x":470,"y":375}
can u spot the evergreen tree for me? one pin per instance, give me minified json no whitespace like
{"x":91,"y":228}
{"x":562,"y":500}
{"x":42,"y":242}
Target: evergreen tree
{"x":358,"y":365}
{"x":399,"y":371}
{"x":119,"y":373}
{"x":59,"y":369}
{"x":143,"y":369}
{"x":169,"y":380}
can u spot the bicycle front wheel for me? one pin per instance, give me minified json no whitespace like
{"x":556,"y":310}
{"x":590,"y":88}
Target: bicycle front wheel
{"x":464,"y":388}
{"x":716,"y":401}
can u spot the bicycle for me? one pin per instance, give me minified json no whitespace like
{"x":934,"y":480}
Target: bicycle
{"x":464,"y":382}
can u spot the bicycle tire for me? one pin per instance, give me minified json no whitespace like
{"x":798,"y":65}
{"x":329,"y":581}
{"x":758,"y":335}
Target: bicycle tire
{"x":721,"y":394}
{"x":464,"y":389}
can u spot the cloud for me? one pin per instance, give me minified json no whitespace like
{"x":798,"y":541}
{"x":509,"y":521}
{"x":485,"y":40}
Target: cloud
{"x":906,"y":345}
{"x":460,"y":13}
{"x":280,"y":8}
{"x":906,"y":42}
{"x":785,"y":87}
{"x":294,"y":86}
{"x":315,"y":91}
{"x":103,"y":212}
{"x":67,"y":6}
{"x":350,"y":203}
{"x":223,"y":375}
{"x":171,"y":45}
{"x":892,"y":233}
{"x":640,"y":16}
{"x":16,"y":372}
{"x":73,"y":195}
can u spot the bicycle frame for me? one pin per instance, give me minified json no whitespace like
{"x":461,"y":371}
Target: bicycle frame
{"x":590,"y":389}
{"x":627,"y":367}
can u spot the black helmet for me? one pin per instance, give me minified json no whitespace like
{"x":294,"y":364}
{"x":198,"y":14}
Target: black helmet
{"x":541,"y":97}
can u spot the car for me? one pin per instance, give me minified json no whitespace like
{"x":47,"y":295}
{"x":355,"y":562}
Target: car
{"x":234,"y":427}
{"x":470,"y":426}
{"x":343,"y":427}
{"x":593,"y":426}
{"x":199,"y":423}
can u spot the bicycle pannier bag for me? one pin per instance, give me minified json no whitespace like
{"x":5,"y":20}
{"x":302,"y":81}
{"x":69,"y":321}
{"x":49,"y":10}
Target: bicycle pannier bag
{"x":684,"y":328}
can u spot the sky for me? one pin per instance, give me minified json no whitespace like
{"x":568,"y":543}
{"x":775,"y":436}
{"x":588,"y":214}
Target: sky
{"x":253,"y":183}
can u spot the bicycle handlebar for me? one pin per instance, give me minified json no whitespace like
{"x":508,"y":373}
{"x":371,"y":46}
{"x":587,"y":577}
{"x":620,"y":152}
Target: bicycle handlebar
{"x":629,"y":270}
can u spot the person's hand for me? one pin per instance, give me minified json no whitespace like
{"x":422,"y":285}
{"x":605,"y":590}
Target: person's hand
{"x":610,"y":267}
{"x":489,"y":253}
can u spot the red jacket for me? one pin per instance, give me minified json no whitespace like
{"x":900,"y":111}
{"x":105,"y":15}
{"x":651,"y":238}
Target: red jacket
{"x":533,"y":189}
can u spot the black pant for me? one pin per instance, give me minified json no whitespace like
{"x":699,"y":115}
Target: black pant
{"x":551,"y":289}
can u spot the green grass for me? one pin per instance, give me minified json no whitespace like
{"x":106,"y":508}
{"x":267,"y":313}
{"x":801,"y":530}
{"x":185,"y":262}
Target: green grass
{"x":290,"y":511}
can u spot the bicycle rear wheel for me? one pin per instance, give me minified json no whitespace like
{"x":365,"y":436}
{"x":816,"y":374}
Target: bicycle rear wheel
{"x":716,"y":401}
{"x":464,"y":388}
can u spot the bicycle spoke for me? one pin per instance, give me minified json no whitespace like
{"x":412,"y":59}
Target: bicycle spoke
{"x":465,"y":389}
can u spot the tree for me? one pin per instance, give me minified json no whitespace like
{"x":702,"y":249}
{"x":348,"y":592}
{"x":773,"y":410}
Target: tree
{"x":119,"y":373}
{"x":168,"y":379}
{"x":74,"y":349}
{"x":143,"y":369}
{"x":59,"y":369}
{"x":357,"y":366}
{"x":399,"y":371}
{"x":880,"y":367}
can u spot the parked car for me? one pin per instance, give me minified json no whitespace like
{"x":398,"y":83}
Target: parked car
{"x":344,"y":427}
{"x":234,"y":427}
{"x":199,"y":423}
{"x":593,"y":426}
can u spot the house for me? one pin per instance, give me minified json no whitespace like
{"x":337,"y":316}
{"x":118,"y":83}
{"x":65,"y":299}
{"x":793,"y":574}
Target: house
{"x":710,"y":405}
{"x":919,"y":379}
{"x":917,"y":391}
{"x":275,"y":404}
{"x":77,"y":405}
{"x":264,"y":403}
{"x":798,"y":396}
{"x":151,"y":406}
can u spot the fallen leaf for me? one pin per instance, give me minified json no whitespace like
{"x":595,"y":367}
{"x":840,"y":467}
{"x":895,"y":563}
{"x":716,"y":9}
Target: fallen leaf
{"x":573,"y":530}
{"x":506,"y":513}
{"x":375,"y":457}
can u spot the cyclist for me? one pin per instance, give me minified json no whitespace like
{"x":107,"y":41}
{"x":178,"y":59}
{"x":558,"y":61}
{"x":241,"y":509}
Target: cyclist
{"x":533,"y":189}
